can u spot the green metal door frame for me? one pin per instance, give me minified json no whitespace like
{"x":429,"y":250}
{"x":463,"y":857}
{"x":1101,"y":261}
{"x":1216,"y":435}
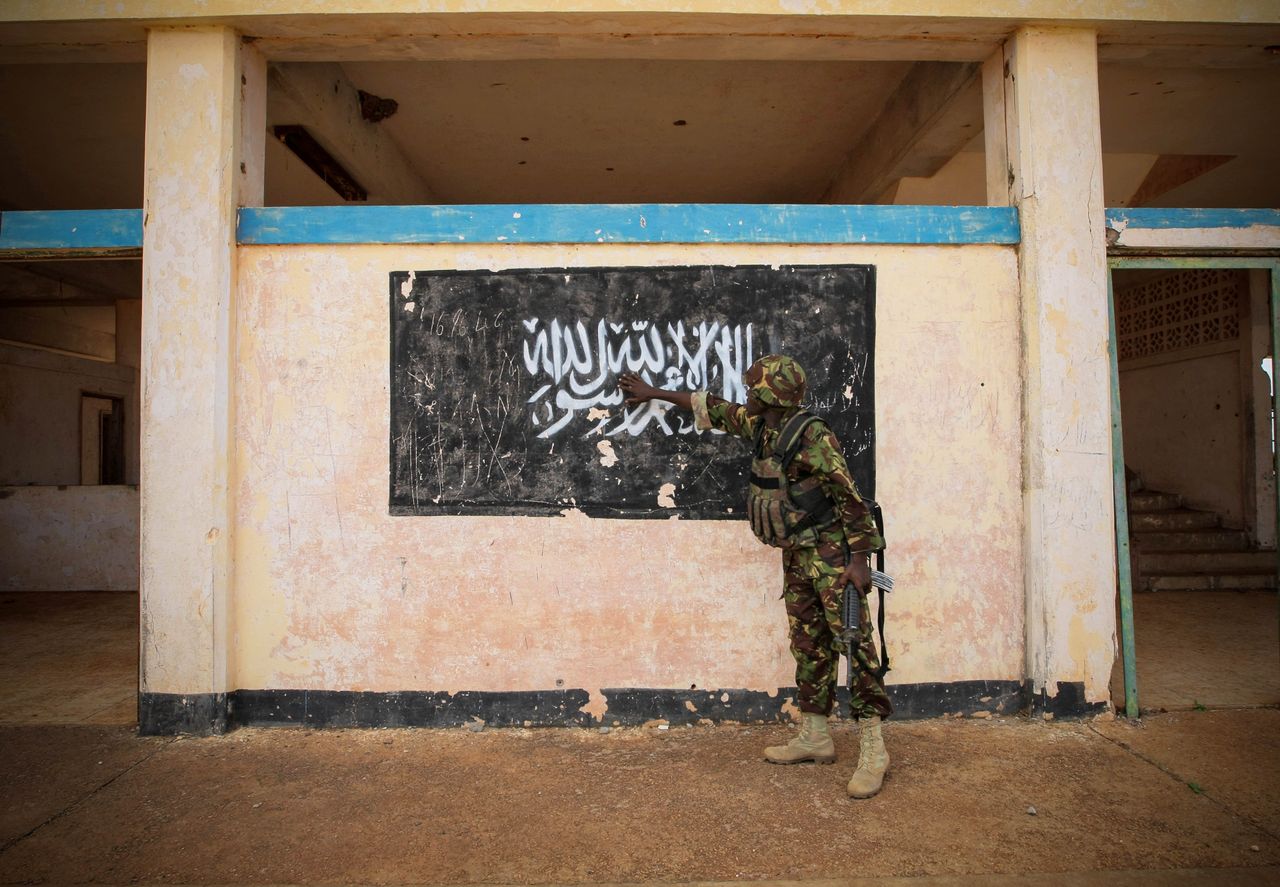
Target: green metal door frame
{"x":1120,"y":486}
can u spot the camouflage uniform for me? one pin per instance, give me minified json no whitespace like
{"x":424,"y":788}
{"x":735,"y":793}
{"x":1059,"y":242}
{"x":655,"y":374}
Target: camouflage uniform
{"x":813,"y":603}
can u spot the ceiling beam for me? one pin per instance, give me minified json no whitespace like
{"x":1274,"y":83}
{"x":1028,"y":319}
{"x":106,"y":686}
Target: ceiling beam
{"x":935,"y":111}
{"x":1209,"y":33}
{"x":322,"y":99}
{"x":1173,"y":171}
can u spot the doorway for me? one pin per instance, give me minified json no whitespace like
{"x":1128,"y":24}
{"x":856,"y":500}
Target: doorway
{"x":69,"y":503}
{"x":101,"y":439}
{"x":1193,"y":430}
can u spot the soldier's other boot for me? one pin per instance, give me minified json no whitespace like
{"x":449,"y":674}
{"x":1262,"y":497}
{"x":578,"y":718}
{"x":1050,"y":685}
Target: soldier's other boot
{"x":812,"y":744}
{"x":873,"y":761}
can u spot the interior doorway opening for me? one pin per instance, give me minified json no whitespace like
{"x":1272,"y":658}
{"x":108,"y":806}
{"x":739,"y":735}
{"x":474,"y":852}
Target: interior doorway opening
{"x":69,"y":471}
{"x":1193,"y":340}
{"x":101,"y":439}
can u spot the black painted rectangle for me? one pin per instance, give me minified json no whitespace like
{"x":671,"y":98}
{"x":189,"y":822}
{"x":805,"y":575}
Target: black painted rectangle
{"x":503,"y":384}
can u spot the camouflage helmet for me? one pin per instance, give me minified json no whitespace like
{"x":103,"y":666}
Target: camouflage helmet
{"x":781,"y":383}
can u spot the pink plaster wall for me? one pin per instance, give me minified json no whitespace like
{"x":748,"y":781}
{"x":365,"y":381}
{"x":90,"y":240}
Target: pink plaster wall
{"x":330,"y":592}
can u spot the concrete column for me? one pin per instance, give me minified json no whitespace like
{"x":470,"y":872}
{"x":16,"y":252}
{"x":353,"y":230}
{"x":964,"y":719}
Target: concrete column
{"x":203,"y":159}
{"x":1054,"y":177}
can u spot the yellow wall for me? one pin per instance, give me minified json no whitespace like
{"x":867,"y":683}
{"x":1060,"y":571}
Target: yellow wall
{"x":331,"y":592}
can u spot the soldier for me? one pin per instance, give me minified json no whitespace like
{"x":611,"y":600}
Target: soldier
{"x":825,"y":545}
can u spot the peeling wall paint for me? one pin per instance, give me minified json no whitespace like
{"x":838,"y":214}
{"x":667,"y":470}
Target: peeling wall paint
{"x":1152,"y":228}
{"x":332,"y":593}
{"x":1254,"y":237}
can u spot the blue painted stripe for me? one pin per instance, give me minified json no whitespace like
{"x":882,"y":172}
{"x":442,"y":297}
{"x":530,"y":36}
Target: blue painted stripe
{"x":1152,"y":217}
{"x":71,"y":229}
{"x":597,"y":223}
{"x":644,"y":223}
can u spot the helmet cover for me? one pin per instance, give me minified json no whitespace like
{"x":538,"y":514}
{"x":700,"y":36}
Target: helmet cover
{"x":781,"y":383}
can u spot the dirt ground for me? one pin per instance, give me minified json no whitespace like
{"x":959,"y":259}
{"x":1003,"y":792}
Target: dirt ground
{"x":100,"y":804}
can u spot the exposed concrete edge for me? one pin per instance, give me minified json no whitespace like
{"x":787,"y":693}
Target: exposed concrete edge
{"x":1238,"y":877}
{"x":211,"y":714}
{"x":285,"y":12}
{"x":1262,"y":876}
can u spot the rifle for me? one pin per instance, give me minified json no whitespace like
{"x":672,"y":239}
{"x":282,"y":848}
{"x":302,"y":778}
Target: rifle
{"x":852,"y":610}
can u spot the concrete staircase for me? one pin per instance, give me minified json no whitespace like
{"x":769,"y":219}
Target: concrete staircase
{"x":1181,"y":549}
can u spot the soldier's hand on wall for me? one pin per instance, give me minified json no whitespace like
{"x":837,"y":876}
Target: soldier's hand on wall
{"x":637,"y":390}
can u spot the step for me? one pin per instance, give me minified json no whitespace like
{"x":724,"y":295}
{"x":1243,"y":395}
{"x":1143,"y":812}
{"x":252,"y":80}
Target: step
{"x":1167,"y":562}
{"x":1153,"y":500}
{"x":1191,"y":540}
{"x":1202,"y":582}
{"x":1183,"y":519}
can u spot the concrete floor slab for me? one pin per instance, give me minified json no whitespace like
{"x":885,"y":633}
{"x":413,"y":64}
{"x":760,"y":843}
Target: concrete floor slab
{"x":1216,"y":649}
{"x":46,"y":772}
{"x":1114,"y":802}
{"x":1233,"y":756}
{"x":69,"y":657}
{"x":633,"y":805}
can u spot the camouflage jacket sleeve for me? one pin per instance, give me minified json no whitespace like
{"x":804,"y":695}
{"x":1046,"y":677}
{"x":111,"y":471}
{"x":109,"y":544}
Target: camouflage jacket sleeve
{"x":711,"y":412}
{"x":821,"y":455}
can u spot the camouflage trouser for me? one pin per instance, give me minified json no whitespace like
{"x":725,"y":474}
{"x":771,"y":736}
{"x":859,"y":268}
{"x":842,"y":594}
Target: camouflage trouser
{"x":813,"y":613}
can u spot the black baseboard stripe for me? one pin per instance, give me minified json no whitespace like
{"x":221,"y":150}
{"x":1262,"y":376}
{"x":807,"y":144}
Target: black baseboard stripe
{"x":1069,"y":703}
{"x":410,"y":708}
{"x":166,"y":713}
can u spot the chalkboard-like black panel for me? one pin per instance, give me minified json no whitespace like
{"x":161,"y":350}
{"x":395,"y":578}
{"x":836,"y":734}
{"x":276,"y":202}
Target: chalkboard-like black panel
{"x":503,"y":384}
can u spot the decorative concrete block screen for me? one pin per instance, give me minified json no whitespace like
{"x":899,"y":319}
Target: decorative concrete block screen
{"x":504,"y":394}
{"x":1179,"y":310}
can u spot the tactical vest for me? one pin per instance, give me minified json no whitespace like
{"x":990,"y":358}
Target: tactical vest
{"x":786,"y":514}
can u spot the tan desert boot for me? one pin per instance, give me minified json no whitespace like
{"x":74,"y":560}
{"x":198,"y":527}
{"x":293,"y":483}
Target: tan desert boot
{"x":873,"y":761}
{"x":812,"y":744}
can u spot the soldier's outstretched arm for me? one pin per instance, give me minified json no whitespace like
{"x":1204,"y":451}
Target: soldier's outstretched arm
{"x":709,"y":411}
{"x":639,"y":391}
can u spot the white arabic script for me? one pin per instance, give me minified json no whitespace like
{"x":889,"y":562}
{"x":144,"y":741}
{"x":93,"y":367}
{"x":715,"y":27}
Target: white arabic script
{"x":576,"y":366}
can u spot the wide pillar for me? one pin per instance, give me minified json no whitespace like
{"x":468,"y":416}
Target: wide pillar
{"x":204,"y":143}
{"x":1052,"y":171}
